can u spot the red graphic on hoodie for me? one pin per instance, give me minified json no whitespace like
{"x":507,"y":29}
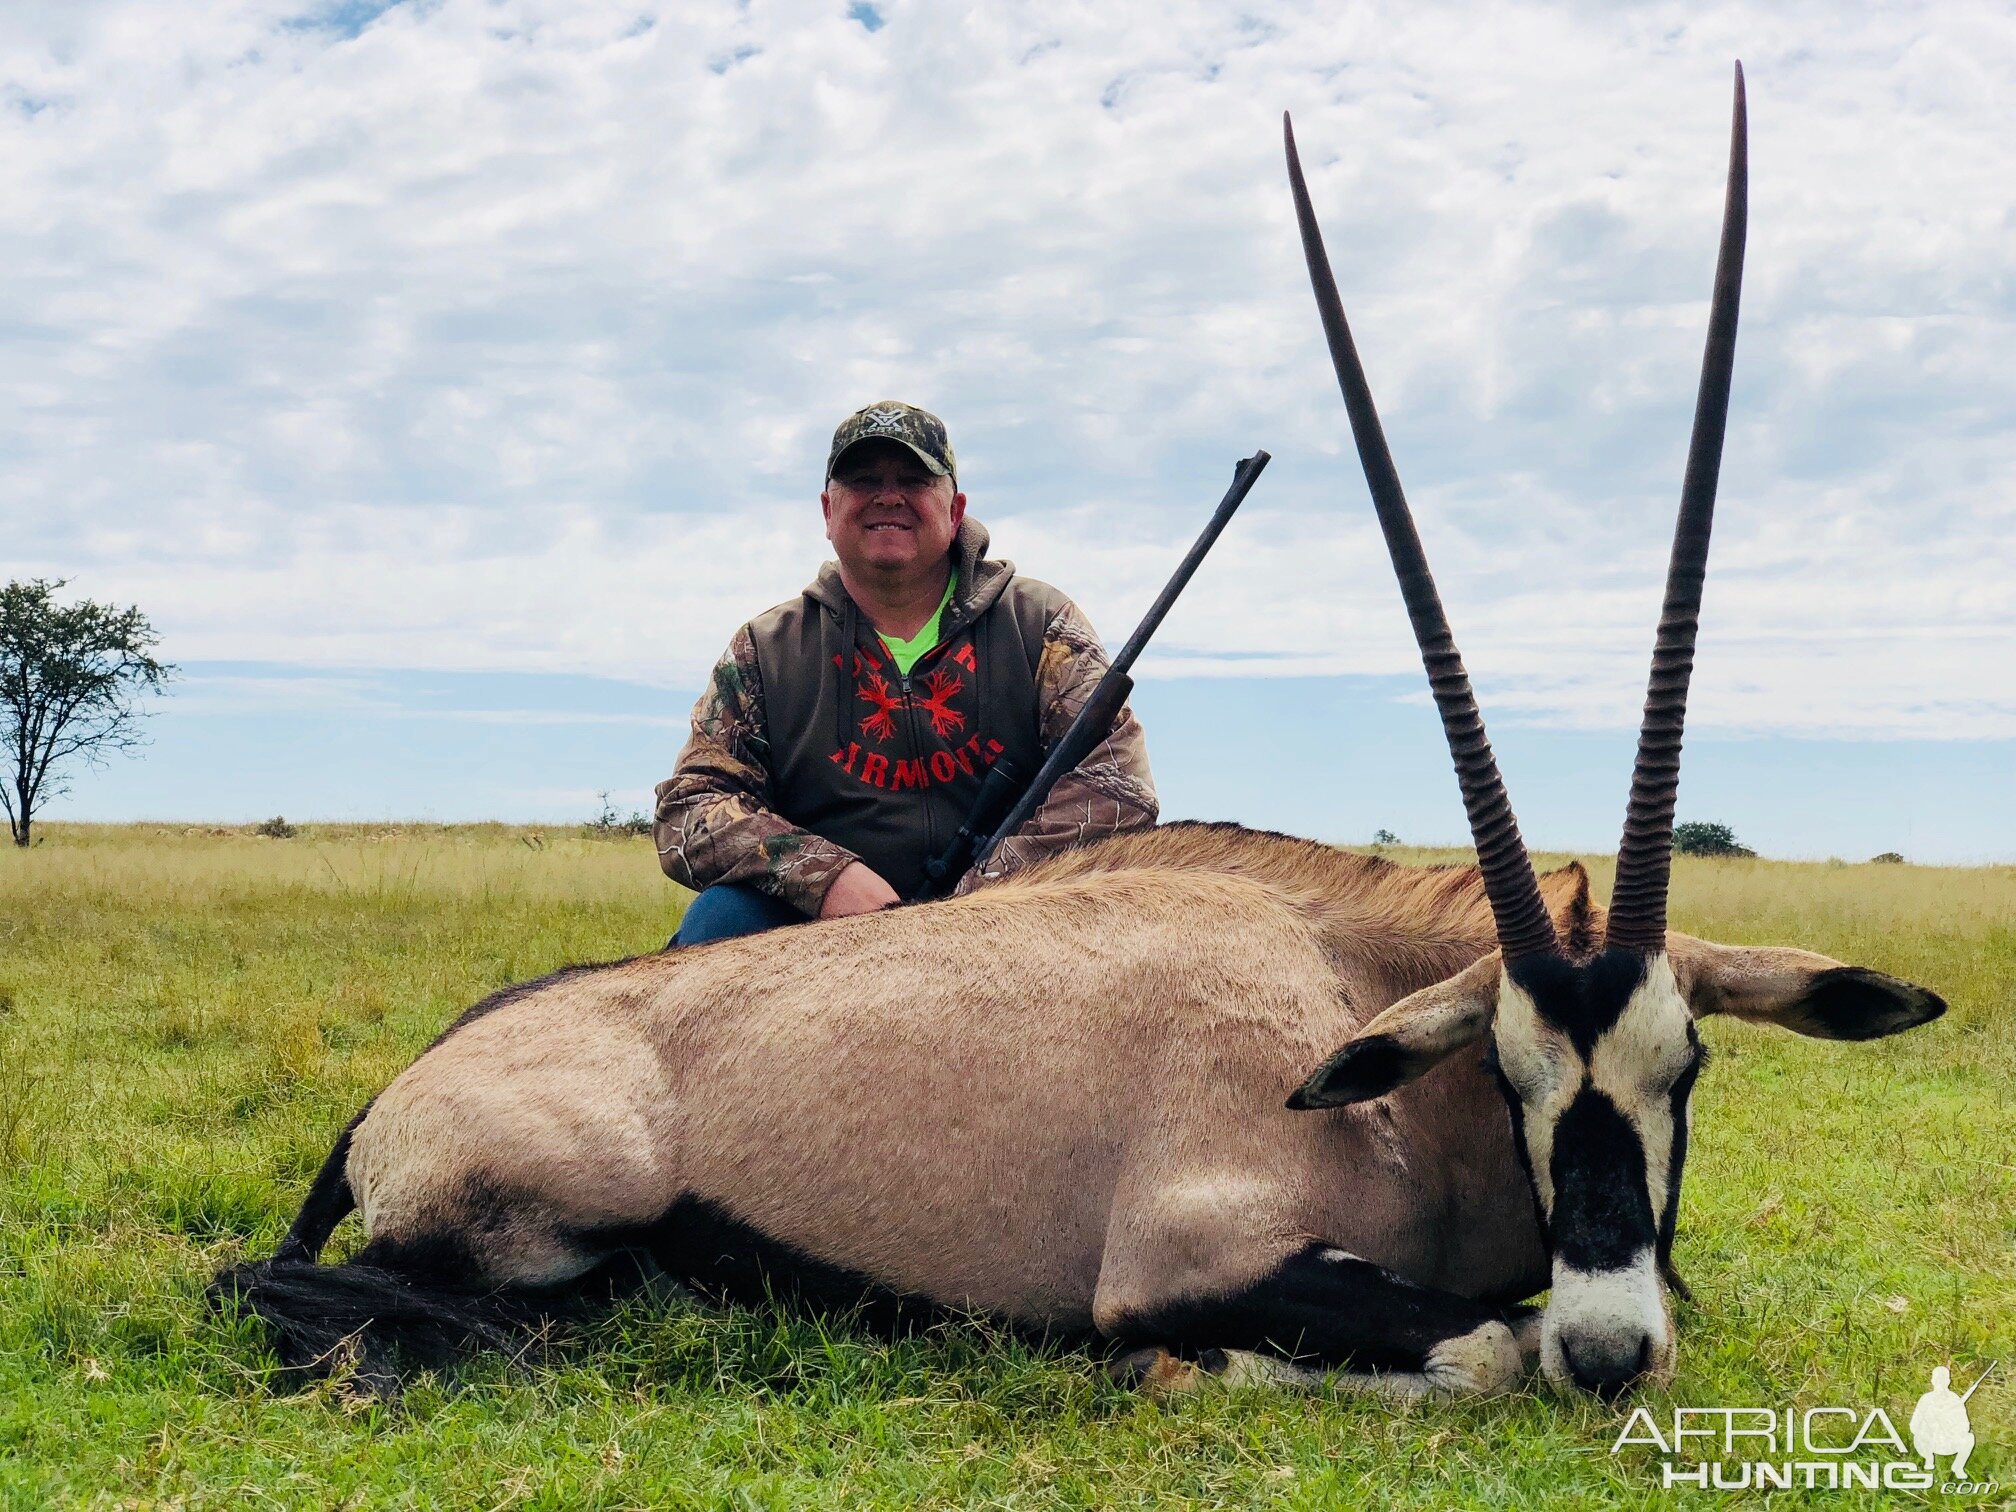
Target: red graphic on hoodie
{"x":939,"y":689}
{"x":874,"y":689}
{"x":875,"y":769}
{"x":932,"y":694}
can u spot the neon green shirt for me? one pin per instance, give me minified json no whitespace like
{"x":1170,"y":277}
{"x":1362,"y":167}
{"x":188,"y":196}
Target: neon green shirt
{"x":907,"y":652}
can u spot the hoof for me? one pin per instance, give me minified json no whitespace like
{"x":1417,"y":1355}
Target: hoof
{"x":1483,"y":1362}
{"x":1155,"y":1372}
{"x":1524,"y":1321}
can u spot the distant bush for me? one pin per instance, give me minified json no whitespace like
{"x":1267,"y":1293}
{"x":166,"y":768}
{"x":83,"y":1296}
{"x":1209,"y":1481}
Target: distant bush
{"x":1701,"y":839}
{"x":1888,"y":858}
{"x":276,"y":828}
{"x":1385,"y":837}
{"x":609,"y":822}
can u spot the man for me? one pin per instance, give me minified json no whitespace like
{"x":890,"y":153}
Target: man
{"x":843,"y":736}
{"x":1939,"y":1423}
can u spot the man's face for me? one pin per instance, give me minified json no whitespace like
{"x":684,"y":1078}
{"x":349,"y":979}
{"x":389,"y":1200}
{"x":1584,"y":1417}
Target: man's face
{"x":887,"y":514}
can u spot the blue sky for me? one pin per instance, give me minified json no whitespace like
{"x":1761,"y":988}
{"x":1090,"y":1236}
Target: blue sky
{"x":448,"y":380}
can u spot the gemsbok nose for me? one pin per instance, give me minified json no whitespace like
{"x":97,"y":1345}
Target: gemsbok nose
{"x":1608,"y":1367}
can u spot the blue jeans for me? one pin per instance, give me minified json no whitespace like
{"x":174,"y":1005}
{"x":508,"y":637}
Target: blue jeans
{"x":731,"y":909}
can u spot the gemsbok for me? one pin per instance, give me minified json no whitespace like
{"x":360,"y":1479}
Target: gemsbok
{"x":1106,"y":1096}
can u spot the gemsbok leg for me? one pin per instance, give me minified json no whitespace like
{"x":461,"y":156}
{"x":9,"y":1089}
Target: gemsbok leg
{"x":1323,"y":1308}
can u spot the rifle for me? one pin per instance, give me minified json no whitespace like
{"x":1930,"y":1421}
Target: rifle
{"x":996,"y":796}
{"x":1977,"y":1385}
{"x":985,"y":828}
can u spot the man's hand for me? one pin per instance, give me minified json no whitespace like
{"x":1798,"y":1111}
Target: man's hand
{"x":857,"y":890}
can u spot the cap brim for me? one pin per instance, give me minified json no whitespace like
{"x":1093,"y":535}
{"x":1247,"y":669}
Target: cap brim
{"x":938,"y":469}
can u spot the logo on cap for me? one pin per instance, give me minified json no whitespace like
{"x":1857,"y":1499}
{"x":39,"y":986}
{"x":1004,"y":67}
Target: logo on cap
{"x":891,"y":420}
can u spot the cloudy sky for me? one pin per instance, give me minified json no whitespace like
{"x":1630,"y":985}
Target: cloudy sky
{"x":447,"y":380}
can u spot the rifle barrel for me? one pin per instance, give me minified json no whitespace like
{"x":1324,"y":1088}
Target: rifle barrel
{"x":1977,"y":1384}
{"x":1104,"y":704}
{"x":1243,"y":478}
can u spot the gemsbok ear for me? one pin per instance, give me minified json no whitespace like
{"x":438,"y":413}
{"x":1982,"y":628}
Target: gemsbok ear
{"x":1404,"y":1041}
{"x":1798,"y":990}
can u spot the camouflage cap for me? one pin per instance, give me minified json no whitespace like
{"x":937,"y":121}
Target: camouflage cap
{"x":893,"y":420}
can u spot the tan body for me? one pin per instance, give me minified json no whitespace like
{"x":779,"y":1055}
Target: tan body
{"x":1058,"y":1100}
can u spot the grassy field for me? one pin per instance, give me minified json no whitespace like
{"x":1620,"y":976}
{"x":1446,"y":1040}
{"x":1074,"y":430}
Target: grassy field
{"x":188,"y":1017}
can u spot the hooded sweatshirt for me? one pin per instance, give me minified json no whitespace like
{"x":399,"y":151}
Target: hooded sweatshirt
{"x":810,"y":751}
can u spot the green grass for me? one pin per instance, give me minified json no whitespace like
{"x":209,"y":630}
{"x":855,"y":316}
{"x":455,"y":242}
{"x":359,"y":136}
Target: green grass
{"x":188,"y":1017}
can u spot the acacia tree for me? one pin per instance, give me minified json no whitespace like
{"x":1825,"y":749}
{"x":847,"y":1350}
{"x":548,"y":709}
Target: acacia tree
{"x":69,"y":677}
{"x":1699,"y":838}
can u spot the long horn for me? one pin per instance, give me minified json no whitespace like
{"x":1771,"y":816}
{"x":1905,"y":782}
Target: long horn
{"x":1523,"y":926}
{"x":1645,"y":855}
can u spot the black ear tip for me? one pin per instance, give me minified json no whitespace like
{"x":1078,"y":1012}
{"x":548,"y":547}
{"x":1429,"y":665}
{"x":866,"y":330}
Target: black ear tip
{"x":1365,"y":1068}
{"x":1916,"y":1006}
{"x":1862,"y":1004}
{"x":1920,"y":1004}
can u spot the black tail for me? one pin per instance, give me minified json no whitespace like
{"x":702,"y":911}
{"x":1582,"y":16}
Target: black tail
{"x":367,"y":1319}
{"x":330,"y":1201}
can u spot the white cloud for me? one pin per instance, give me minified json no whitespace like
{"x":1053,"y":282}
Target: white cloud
{"x":507,"y":336}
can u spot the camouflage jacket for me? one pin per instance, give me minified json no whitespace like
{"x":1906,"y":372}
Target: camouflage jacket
{"x":809,"y":752}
